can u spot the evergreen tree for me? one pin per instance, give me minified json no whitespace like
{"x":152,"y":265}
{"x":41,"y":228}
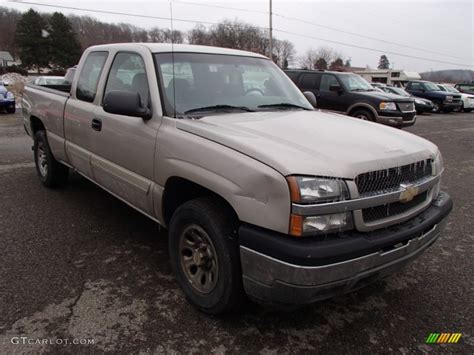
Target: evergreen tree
{"x":338,"y":63}
{"x":65,"y":47}
{"x":321,"y":64}
{"x":30,"y":39}
{"x":383,"y":62}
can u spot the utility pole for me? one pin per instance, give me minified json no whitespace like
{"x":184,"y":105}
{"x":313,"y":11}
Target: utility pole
{"x":271,"y":36}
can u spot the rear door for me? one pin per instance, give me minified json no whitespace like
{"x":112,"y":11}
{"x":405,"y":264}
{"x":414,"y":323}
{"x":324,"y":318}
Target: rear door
{"x":124,"y":146}
{"x":416,"y":89}
{"x":80,"y":109}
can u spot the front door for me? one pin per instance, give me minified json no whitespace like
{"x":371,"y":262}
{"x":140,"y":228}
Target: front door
{"x":124,"y":146}
{"x":327,"y":99}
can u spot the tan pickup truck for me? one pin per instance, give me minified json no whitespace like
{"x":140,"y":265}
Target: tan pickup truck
{"x":262,"y":195}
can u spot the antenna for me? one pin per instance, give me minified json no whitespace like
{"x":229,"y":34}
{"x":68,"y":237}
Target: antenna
{"x":172,"y":57}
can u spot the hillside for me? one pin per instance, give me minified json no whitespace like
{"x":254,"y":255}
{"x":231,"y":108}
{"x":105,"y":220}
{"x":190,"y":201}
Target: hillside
{"x":453,"y":75}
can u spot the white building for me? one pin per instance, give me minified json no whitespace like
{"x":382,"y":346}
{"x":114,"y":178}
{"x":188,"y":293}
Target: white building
{"x":389,"y":76}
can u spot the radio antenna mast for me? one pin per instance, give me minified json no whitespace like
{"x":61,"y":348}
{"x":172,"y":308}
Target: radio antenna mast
{"x":172,"y":58}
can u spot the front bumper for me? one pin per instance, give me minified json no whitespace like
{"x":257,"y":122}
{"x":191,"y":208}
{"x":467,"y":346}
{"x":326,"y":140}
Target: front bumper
{"x":451,"y":105}
{"x":397,"y":118}
{"x":282,"y":269}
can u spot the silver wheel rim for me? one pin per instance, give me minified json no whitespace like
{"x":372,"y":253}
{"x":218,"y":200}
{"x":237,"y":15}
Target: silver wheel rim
{"x":42,"y":160}
{"x":198,"y":259}
{"x":435,"y":107}
{"x":362,"y":117}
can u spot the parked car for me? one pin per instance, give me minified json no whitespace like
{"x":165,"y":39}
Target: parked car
{"x":442,"y":101}
{"x":465,"y":88}
{"x":421,"y":105}
{"x":49,"y":80}
{"x":467,"y":100}
{"x":351,"y":94}
{"x":261,"y":194}
{"x":7,"y":99}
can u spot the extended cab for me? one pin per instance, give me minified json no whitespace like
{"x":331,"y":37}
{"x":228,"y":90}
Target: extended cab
{"x":442,"y":101}
{"x":351,"y":94}
{"x":261,"y":194}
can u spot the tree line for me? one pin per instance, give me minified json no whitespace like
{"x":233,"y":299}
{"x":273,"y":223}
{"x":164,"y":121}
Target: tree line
{"x":55,"y":41}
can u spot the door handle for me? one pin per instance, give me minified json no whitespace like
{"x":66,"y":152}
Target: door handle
{"x":96,"y":124}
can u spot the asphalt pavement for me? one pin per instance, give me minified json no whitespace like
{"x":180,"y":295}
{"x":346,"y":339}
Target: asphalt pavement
{"x":78,"y":265}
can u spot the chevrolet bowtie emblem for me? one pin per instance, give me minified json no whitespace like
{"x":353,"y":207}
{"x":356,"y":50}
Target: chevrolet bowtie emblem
{"x":408,"y":192}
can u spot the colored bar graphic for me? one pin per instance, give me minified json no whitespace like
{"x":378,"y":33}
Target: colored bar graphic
{"x":442,"y":338}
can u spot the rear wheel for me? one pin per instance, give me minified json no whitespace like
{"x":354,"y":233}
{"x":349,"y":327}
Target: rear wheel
{"x":50,"y":172}
{"x":204,"y":254}
{"x":11,"y":109}
{"x":363,"y":114}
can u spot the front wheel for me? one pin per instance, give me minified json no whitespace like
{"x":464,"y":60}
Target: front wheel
{"x":363,"y":114}
{"x":204,"y":254}
{"x":436,"y":107}
{"x":50,"y":172}
{"x":11,"y":109}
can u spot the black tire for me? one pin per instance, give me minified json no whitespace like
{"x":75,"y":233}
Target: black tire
{"x":216,"y":220}
{"x":11,"y":109}
{"x":363,"y":114}
{"x":437,"y":107}
{"x":50,"y":172}
{"x":467,"y":109}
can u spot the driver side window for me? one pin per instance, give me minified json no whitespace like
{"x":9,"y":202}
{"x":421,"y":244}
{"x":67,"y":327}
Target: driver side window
{"x":326,"y":82}
{"x":128,"y":74}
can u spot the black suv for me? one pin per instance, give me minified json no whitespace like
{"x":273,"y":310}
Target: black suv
{"x":442,"y":101}
{"x":353,"y":95}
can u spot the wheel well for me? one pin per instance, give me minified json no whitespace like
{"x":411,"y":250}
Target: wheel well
{"x":356,"y":108}
{"x":36,"y":125}
{"x":179,"y":190}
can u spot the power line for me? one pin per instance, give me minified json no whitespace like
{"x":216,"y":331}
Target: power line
{"x":115,"y":13}
{"x":372,"y":49}
{"x":274,"y":29}
{"x":365,"y":36}
{"x":321,"y":26}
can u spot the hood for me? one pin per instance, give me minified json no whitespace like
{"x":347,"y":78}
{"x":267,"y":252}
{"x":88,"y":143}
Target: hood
{"x":383,"y":96}
{"x":312,"y":142}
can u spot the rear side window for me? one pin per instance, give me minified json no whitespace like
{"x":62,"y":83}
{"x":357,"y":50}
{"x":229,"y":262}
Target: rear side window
{"x":309,"y":81}
{"x":89,"y":76}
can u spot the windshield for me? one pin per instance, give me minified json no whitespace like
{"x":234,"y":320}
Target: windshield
{"x":353,"y":82}
{"x":432,"y":87}
{"x":223,"y":83}
{"x":451,"y":89}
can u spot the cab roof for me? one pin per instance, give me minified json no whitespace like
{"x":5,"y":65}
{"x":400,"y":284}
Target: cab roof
{"x":184,"y":48}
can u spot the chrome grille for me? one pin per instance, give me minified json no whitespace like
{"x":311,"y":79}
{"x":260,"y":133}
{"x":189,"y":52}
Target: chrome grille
{"x":382,"y":181}
{"x":406,"y":106}
{"x":392,"y":209}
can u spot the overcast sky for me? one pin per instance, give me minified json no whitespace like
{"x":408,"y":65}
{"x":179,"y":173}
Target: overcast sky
{"x":444,"y":26}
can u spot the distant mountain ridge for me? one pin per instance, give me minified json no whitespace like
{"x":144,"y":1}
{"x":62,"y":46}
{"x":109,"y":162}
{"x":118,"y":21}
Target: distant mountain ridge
{"x":452,"y":75}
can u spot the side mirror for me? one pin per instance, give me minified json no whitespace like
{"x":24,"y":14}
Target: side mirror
{"x":310,"y":97}
{"x":125,"y":103}
{"x":335,"y":88}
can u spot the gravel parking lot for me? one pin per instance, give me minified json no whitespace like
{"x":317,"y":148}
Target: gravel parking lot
{"x":78,"y":265}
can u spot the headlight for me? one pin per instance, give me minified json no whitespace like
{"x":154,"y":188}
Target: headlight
{"x":312,"y":190}
{"x":388,"y":106}
{"x":10,"y":95}
{"x":316,"y":190}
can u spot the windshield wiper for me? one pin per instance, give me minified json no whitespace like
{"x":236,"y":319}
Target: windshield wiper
{"x":284,"y":105}
{"x":219,"y":108}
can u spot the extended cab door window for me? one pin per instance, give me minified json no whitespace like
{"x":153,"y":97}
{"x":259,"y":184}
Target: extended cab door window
{"x":90,"y":75}
{"x":128,"y":74}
